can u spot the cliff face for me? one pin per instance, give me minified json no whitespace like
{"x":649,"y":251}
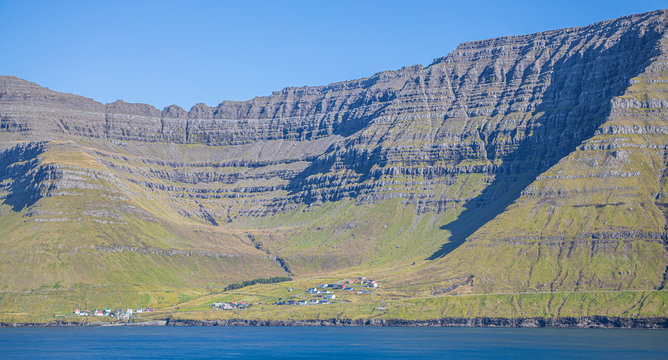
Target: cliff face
{"x":569,"y":126}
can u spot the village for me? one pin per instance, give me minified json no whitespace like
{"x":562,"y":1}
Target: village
{"x":120,"y":314}
{"x":325,"y":293}
{"x":241,"y":305}
{"x":321,"y":295}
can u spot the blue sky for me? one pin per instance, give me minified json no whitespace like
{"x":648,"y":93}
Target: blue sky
{"x":185,"y":52}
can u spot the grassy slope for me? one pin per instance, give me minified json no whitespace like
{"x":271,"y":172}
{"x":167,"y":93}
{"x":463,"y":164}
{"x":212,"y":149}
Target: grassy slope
{"x":539,"y":253}
{"x":392,"y":305}
{"x":100,"y":240}
{"x":388,"y":241}
{"x":611,"y":187}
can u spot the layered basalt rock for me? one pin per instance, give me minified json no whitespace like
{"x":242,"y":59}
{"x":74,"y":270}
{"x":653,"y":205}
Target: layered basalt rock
{"x":521,"y":120}
{"x":510,"y":105}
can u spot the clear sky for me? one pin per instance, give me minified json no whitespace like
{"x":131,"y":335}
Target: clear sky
{"x":185,"y":52}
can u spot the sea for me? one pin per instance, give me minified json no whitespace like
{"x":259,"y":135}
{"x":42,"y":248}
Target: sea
{"x":330,"y":343}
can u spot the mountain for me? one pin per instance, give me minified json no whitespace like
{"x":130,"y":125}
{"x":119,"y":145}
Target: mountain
{"x":518,"y":165}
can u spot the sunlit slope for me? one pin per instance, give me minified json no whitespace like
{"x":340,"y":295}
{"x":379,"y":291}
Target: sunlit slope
{"x":67,"y":219}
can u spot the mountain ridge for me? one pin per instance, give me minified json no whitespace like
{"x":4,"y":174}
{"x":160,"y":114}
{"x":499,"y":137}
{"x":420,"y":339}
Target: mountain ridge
{"x":524,"y":163}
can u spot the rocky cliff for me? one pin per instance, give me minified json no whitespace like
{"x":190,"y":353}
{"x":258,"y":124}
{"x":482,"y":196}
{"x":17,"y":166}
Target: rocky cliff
{"x":552,"y":146}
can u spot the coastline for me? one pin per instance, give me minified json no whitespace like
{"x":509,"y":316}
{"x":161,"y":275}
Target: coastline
{"x":586,"y":322}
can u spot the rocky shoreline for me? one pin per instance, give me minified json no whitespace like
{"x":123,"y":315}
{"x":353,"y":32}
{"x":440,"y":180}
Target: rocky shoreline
{"x":602,"y":322}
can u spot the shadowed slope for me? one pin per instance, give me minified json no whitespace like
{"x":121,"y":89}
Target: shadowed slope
{"x":575,"y":104}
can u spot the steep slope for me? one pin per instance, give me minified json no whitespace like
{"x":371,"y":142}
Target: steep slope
{"x":67,"y":219}
{"x":596,"y":219}
{"x":524,"y":163}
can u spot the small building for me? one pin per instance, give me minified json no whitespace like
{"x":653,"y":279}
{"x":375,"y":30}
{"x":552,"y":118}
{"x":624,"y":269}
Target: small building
{"x":370,"y":283}
{"x":243,"y":305}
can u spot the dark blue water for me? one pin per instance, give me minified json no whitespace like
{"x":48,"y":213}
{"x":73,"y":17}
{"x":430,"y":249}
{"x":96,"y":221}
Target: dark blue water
{"x":330,"y":343}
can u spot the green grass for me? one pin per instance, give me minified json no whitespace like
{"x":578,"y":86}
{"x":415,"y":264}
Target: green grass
{"x":542,"y":245}
{"x":624,"y":304}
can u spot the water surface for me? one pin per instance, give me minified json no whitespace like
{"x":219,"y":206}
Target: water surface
{"x":330,"y":343}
